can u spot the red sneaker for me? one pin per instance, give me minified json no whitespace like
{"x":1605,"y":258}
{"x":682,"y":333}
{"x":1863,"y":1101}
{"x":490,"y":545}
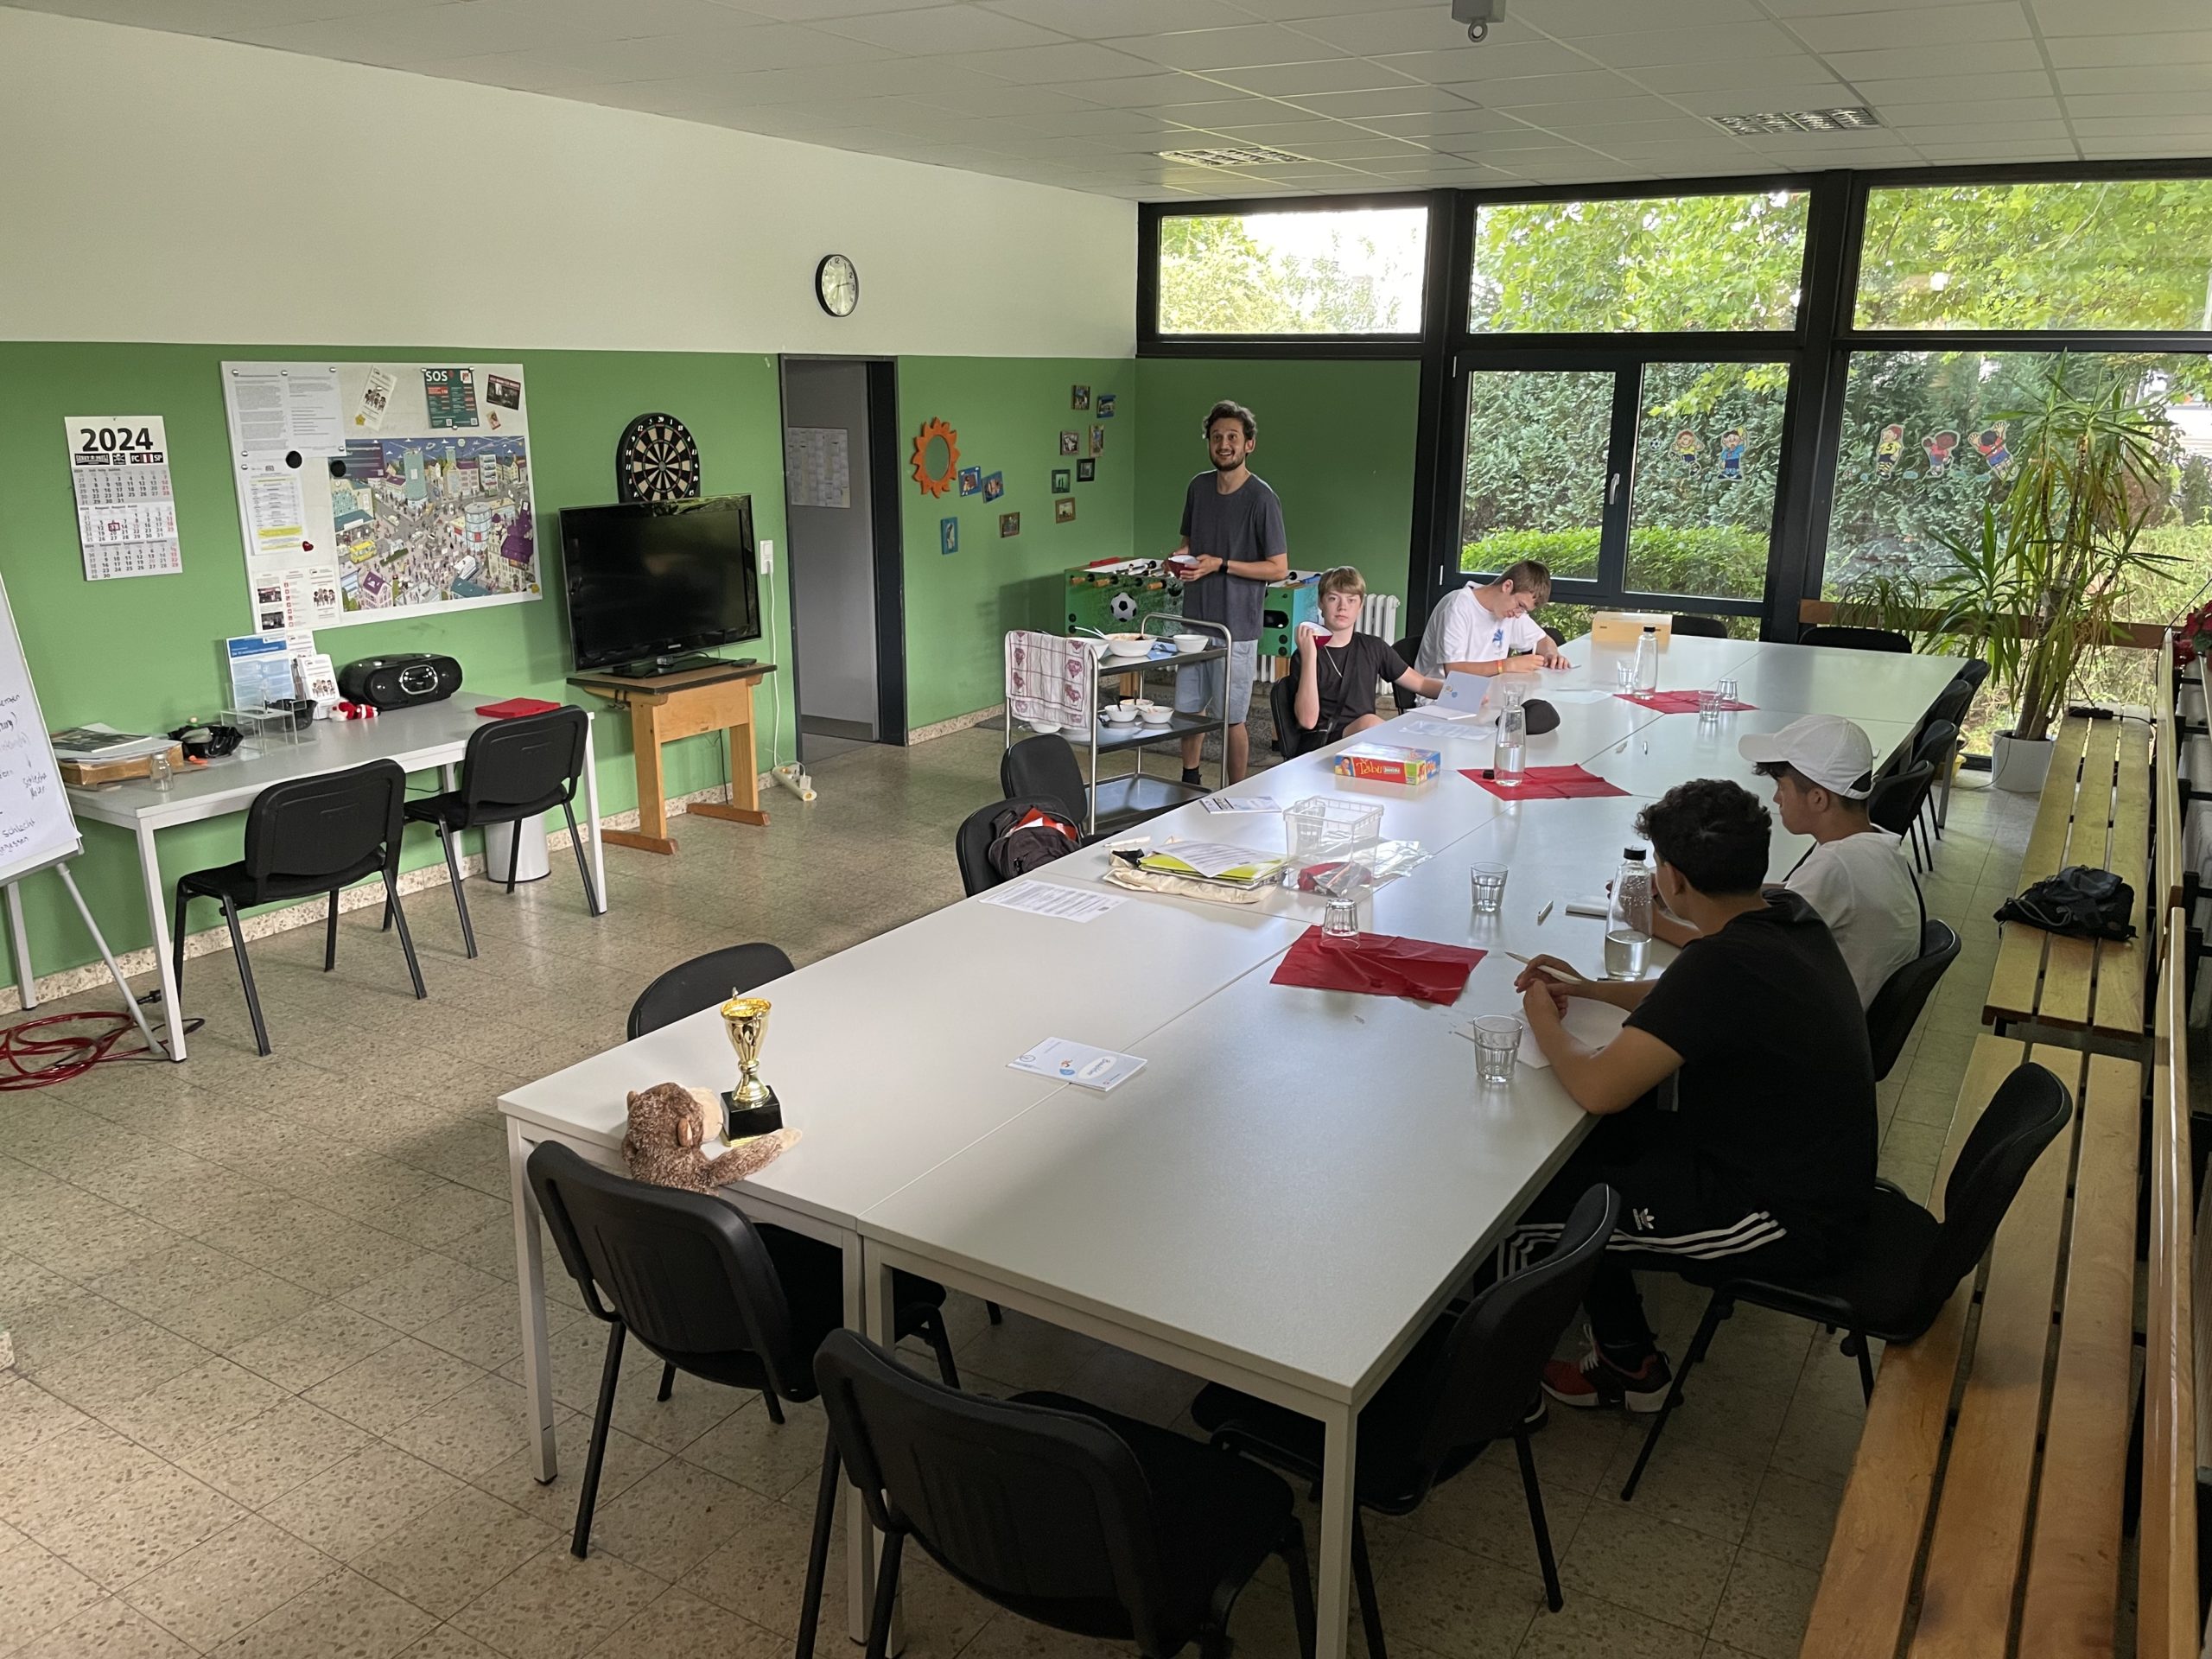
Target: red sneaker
{"x":1596,"y":1381}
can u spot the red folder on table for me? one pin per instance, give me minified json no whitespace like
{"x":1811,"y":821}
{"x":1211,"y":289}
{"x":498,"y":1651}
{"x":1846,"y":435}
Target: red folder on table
{"x":515,"y":708}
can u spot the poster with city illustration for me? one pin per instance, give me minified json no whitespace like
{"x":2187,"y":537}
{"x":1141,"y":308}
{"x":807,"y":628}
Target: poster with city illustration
{"x":369,"y":491}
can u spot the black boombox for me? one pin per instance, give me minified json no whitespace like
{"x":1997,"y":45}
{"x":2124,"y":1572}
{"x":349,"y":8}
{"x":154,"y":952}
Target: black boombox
{"x":399,"y":681}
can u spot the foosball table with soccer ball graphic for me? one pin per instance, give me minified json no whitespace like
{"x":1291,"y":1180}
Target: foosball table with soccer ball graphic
{"x":1116,"y":595}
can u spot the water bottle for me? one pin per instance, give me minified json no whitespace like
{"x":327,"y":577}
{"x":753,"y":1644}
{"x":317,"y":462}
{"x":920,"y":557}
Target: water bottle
{"x":1647,"y":661}
{"x":1512,"y":735}
{"x":1628,"y":919}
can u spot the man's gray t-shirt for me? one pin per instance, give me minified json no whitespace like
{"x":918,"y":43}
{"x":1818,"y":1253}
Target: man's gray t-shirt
{"x":1245,"y":526}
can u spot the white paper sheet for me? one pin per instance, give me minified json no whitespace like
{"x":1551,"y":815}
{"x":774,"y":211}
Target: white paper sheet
{"x":1595,"y":1023}
{"x":1069,"y":904}
{"x":1463,"y":694}
{"x":1240,"y":803}
{"x":1080,"y":1064}
{"x":1470,"y":730}
{"x":1214,"y":857}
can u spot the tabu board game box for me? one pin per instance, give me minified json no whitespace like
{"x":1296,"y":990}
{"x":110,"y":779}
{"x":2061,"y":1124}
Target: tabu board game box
{"x":1386,"y":763}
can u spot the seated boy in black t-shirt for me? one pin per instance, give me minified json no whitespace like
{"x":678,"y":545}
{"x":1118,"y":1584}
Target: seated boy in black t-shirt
{"x":1338,"y":666}
{"x":1767,"y":1164}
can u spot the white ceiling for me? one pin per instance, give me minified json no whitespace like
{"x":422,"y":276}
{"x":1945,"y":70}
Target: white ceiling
{"x":1370,"y":94}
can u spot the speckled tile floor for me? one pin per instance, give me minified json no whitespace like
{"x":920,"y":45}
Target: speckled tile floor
{"x":266,"y":1404}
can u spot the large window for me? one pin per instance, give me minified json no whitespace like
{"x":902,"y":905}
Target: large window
{"x":1328,"y":271}
{"x":1674,"y":263}
{"x":2107,"y":254}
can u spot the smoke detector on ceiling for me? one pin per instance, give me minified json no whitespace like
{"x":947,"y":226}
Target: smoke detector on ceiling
{"x":1477,"y":16}
{"x":1240,"y":156}
{"x":1852,"y":118}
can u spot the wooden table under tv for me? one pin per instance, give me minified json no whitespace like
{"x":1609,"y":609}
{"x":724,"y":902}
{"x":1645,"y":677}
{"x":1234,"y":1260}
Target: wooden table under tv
{"x":666,"y":707}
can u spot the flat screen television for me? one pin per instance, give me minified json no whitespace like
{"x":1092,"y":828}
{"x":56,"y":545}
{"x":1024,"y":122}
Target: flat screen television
{"x":649,"y":580}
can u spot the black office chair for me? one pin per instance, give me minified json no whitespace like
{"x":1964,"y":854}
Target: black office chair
{"x":1895,"y":1008}
{"x":1699,"y":627}
{"x":703,"y":981}
{"x":1828,"y":633}
{"x":971,"y":842}
{"x":1896,"y":801}
{"x":1973,"y":673}
{"x":1077,"y":1518}
{"x":1911,"y":1263}
{"x":1468,"y":1381}
{"x":702,"y":1287}
{"x":512,"y":770}
{"x":1951,"y":704}
{"x":1045,"y":766}
{"x":1931,"y":749}
{"x":305,"y":836}
{"x":1407,"y":649}
{"x":1292,"y":740}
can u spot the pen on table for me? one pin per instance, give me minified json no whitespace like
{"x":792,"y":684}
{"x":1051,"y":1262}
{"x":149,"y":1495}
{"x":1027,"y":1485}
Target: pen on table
{"x":1545,"y":914}
{"x":1566,"y":976}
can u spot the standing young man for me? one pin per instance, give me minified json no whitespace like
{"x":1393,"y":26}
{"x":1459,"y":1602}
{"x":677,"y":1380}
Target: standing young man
{"x":1487,"y":630}
{"x":1232,"y":547}
{"x":1768,"y":1162}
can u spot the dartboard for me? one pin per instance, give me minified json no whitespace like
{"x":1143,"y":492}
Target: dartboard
{"x":657,"y":460}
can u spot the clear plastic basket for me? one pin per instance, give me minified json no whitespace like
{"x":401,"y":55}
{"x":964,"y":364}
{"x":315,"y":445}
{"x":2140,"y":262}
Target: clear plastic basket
{"x":1321,"y":829}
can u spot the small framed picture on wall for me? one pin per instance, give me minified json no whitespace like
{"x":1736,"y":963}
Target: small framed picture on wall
{"x":1009,"y":524}
{"x":1060,"y":477}
{"x":1086,"y":472}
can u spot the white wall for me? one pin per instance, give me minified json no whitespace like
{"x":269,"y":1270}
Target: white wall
{"x":168,"y":188}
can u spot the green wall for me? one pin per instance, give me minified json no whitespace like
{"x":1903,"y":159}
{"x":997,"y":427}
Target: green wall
{"x":1336,"y":442}
{"x":1010,"y":415}
{"x":143,"y":653}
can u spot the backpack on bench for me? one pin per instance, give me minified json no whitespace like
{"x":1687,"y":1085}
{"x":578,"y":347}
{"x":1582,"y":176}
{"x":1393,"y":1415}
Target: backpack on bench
{"x":2080,"y":901}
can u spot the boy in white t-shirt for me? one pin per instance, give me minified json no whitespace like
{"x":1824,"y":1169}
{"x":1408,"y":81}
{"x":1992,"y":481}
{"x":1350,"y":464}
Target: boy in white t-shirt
{"x":1487,"y":629}
{"x":1855,"y":875}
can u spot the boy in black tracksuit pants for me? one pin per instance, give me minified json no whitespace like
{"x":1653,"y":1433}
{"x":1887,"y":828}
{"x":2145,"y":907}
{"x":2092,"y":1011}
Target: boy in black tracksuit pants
{"x":1768,"y":1161}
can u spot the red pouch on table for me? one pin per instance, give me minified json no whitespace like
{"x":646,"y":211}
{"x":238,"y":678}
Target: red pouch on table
{"x":1678,"y":702}
{"x":1380,"y":965}
{"x":1547,"y":783}
{"x":515,"y":708}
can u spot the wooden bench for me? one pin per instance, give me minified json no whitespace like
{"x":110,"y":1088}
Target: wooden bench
{"x":2096,"y":810}
{"x":1987,"y":1497}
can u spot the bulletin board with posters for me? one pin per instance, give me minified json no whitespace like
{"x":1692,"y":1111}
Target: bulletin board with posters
{"x":369,"y":491}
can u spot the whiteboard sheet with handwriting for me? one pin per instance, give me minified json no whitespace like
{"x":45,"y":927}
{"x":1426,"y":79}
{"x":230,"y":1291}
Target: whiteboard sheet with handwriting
{"x":36,"y":827}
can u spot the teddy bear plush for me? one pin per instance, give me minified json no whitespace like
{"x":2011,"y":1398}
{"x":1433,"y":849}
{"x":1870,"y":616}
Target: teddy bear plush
{"x":667,"y":1125}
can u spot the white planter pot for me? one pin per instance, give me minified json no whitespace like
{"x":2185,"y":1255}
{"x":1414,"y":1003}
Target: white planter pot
{"x":2020,"y":763}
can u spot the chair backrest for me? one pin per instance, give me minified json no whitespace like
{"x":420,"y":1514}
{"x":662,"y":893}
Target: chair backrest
{"x":1973,"y":673}
{"x":1896,"y":798}
{"x":341,"y":823}
{"x":2024,"y":1116}
{"x":1699,"y":627}
{"x":1895,"y":1008}
{"x":971,"y":842}
{"x":1952,"y":702}
{"x":1487,"y":1374}
{"x":522,"y":762}
{"x":1932,"y":748}
{"x":702,"y":981}
{"x":1828,"y":633}
{"x":1045,"y":766}
{"x":1046,"y":1512}
{"x":1408,"y":649}
{"x":1282,"y":709}
{"x":685,"y":1272}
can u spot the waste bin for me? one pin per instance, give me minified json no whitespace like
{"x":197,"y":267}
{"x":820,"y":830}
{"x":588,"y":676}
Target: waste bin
{"x":498,"y":847}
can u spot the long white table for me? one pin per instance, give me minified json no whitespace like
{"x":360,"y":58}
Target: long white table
{"x":1297,"y":1180}
{"x":435,"y":734}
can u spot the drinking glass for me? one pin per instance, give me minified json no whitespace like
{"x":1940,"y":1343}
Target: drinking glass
{"x":1488,"y":882}
{"x":1340,"y":919}
{"x":1725,"y":690}
{"x":159,"y":771}
{"x":1498,"y":1047}
{"x":1709,"y":704}
{"x":1623,"y":676}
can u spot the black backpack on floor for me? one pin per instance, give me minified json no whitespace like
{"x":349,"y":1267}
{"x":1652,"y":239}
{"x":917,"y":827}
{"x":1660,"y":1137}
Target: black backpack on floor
{"x":2080,"y":901}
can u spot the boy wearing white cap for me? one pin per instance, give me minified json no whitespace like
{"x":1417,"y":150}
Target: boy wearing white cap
{"x":1855,"y":875}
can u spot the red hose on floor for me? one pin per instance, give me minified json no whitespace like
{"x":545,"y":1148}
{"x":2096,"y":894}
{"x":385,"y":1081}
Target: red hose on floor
{"x":28,"y":1062}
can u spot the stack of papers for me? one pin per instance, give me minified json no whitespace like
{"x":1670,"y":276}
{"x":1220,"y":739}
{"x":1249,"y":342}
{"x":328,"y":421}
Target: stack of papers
{"x":1086,"y":1067}
{"x":1040,"y":898}
{"x":1215,"y":861}
{"x":100,"y":742}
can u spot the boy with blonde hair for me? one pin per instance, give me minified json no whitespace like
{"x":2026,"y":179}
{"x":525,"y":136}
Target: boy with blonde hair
{"x":1339,"y":667}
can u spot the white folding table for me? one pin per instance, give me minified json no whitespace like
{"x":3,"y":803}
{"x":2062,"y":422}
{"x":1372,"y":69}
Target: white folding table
{"x":435,"y":734}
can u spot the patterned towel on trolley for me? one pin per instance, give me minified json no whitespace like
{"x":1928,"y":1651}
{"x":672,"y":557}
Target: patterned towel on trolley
{"x":1052,"y":679}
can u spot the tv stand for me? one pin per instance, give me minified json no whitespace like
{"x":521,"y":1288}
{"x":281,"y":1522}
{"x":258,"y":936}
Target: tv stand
{"x":654,"y":668}
{"x":715,"y":696}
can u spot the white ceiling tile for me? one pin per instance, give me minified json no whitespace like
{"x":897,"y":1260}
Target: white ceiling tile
{"x":1526,"y":90}
{"x":973,"y":94}
{"x":2102,"y":51}
{"x":942,"y":29}
{"x":1567,"y":20}
{"x":1362,"y":151}
{"x":1096,"y":122}
{"x":1285,"y":135}
{"x":817,"y":11}
{"x":1792,"y":10}
{"x":1096,"y":20}
{"x":1678,"y":78}
{"x":1994,"y":20}
{"x":2141,"y":78}
{"x":1786,"y":96}
{"x":1238,"y":111}
{"x":521,"y":72}
{"x":2095,"y":104}
{"x":2058,"y":18}
{"x":656,"y":57}
{"x":1304,"y":80}
{"x":1225,"y":48}
{"x":1934,"y":89}
{"x":1891,"y":63}
{"x":1147,"y":92}
{"x":1984,"y":132}
{"x":1409,"y":97}
{"x":1745,"y":44}
{"x":1416,"y":29}
{"x":1434,"y":123}
{"x":1963,"y":111}
{"x":2146,"y":126}
{"x":1057,"y":65}
{"x":1963,"y":155}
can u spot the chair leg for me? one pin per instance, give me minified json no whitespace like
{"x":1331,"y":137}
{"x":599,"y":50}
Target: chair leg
{"x":1719,"y":1308}
{"x":997,"y":1315}
{"x":246,"y":978}
{"x":176,"y":948}
{"x":406,"y":942}
{"x":1362,"y":1581}
{"x":1855,"y":1344}
{"x":886,"y":1596}
{"x":583,"y":866}
{"x":1293,"y":1551}
{"x":1535,"y":1492}
{"x":932,"y":1332}
{"x":459,"y":898}
{"x":330,"y":934}
{"x":514,"y":852}
{"x":775,"y":1406}
{"x":667,"y":1384}
{"x":610,"y":1373}
{"x":817,"y":1550}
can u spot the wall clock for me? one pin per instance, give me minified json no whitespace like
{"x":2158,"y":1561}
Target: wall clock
{"x":837,"y":285}
{"x":936,"y":457}
{"x":656,"y":459}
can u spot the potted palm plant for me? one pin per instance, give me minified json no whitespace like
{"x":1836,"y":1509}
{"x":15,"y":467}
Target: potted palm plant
{"x":2033,"y":587}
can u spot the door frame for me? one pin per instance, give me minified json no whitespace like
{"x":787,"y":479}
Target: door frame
{"x":886,"y":536}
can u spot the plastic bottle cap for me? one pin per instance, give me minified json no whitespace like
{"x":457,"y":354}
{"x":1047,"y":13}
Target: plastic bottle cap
{"x":1651,"y":627}
{"x":1634,"y":854}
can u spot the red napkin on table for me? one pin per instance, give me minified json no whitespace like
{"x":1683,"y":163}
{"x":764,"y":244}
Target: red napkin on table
{"x":515,"y":708}
{"x":1678,"y":703}
{"x":1547,"y":783}
{"x":1381,"y":964}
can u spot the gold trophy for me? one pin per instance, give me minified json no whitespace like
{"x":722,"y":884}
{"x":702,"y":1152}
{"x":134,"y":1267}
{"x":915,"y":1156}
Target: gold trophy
{"x":750,"y":1109}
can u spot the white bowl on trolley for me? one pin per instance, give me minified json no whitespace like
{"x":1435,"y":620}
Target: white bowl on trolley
{"x":1187,"y":643}
{"x":1129,"y":644}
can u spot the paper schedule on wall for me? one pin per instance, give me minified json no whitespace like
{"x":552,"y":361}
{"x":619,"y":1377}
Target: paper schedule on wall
{"x":818,"y":465}
{"x":126,"y":516}
{"x":368,"y":491}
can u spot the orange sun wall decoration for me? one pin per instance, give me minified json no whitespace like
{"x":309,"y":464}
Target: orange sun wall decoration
{"x":931,"y":431}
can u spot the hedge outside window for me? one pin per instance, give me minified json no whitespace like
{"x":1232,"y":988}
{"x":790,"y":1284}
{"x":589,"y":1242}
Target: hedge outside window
{"x":1721,"y":263}
{"x":1328,"y":271}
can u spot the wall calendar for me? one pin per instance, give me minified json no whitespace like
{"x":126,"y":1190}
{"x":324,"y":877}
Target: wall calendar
{"x":126,"y":516}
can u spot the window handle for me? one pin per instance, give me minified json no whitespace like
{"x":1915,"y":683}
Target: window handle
{"x":1613,"y":491}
